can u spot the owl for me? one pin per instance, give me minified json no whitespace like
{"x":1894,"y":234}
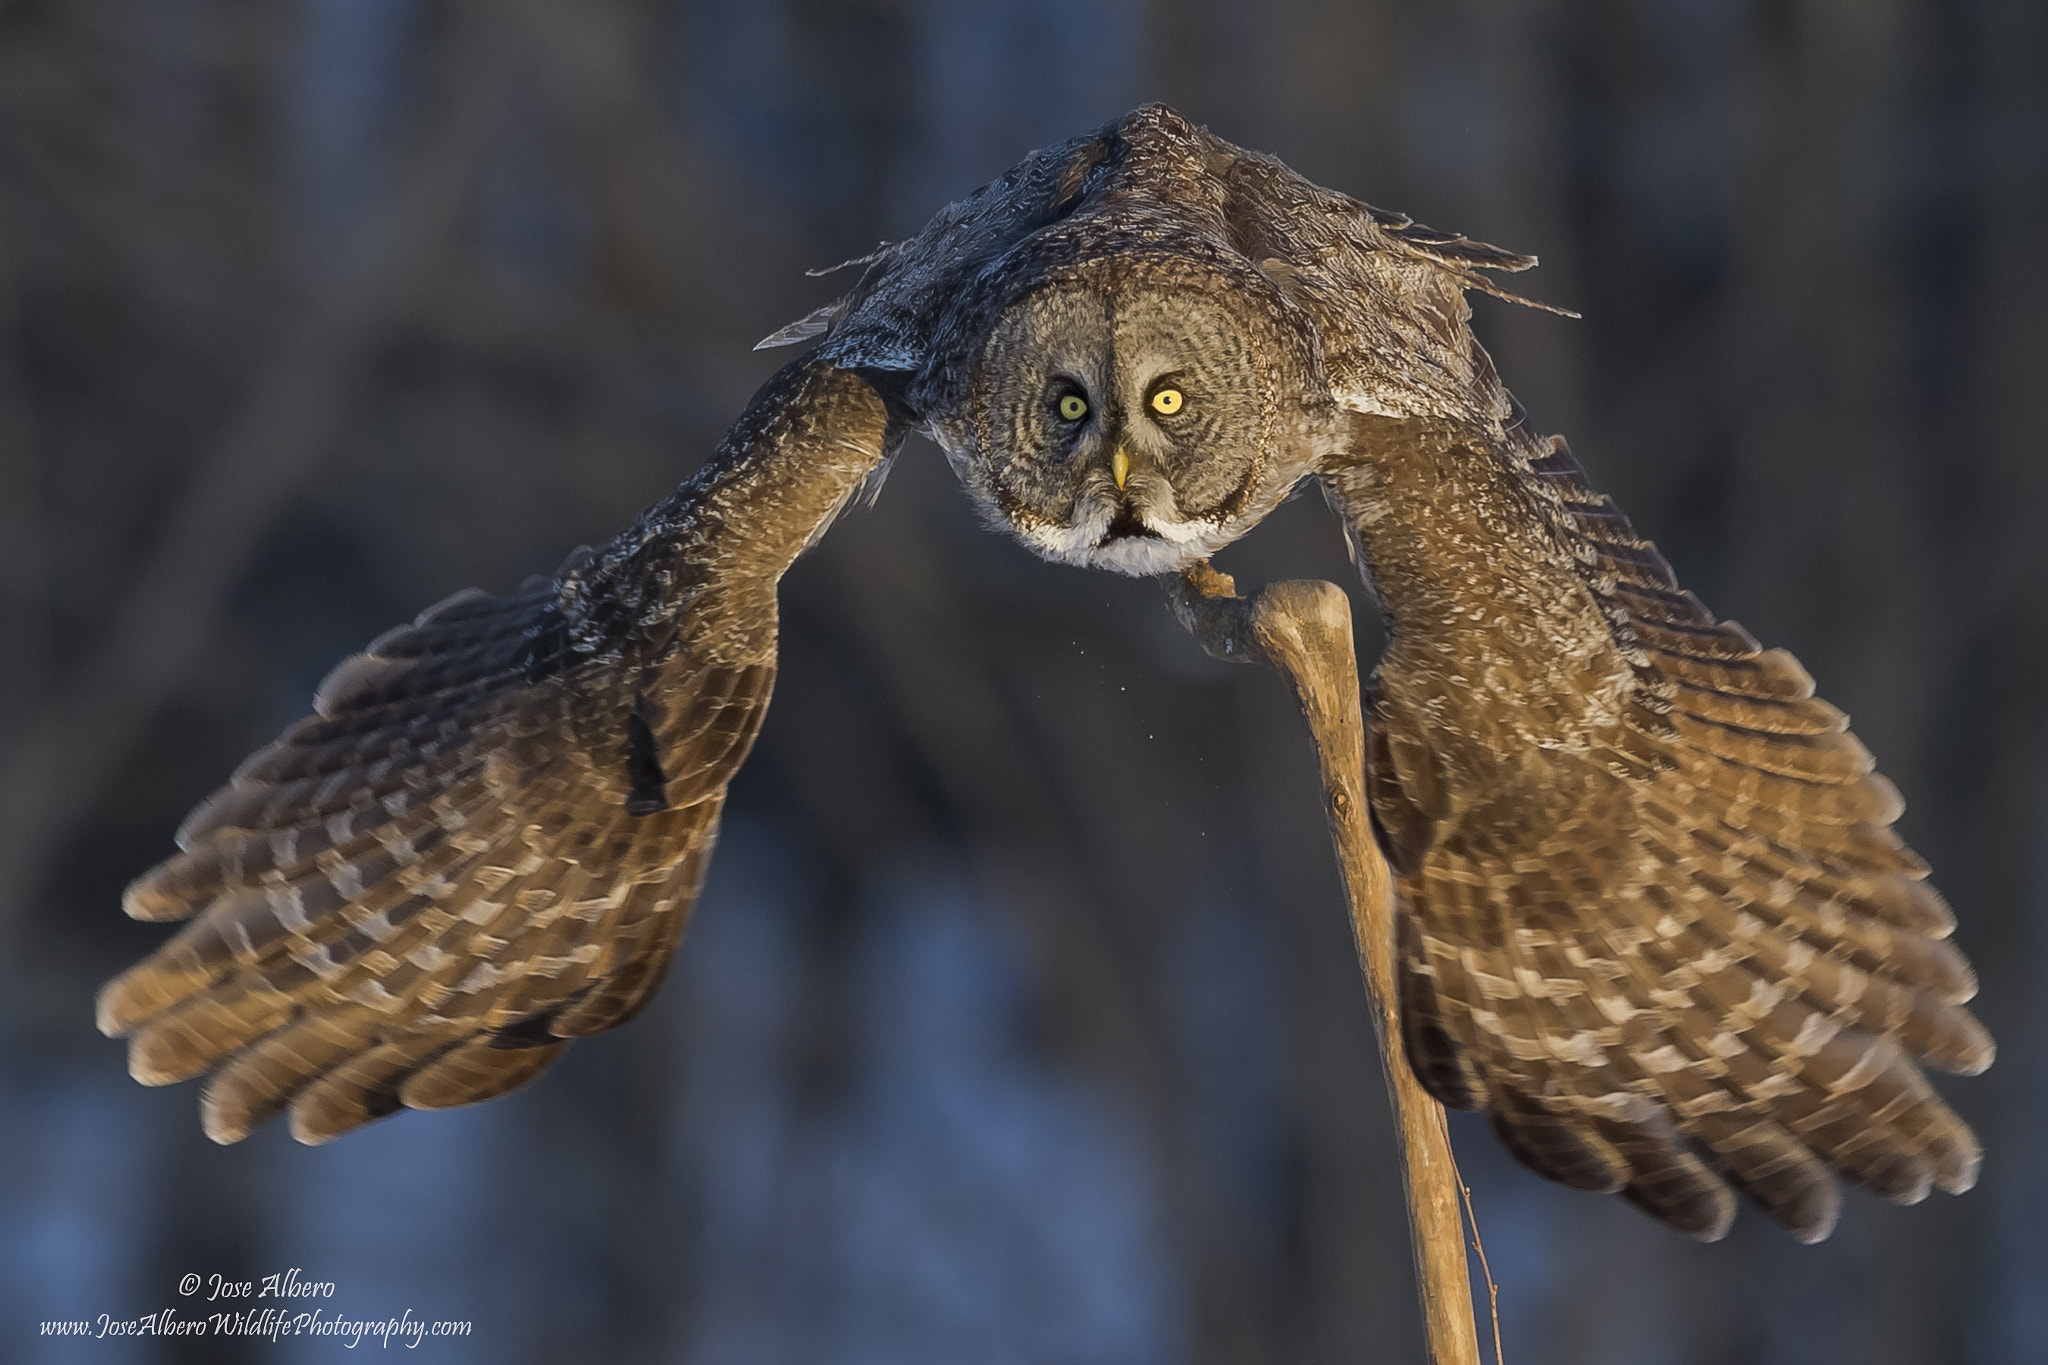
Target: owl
{"x":1653,"y":918}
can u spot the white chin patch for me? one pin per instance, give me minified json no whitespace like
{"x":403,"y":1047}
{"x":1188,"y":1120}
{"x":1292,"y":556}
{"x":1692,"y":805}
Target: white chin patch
{"x":1174,"y":546}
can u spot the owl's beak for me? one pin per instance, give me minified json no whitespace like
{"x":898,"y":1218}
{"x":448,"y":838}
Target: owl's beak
{"x":1120,"y":466}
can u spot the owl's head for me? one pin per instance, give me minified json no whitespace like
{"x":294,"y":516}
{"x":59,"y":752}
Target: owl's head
{"x":1140,"y":412}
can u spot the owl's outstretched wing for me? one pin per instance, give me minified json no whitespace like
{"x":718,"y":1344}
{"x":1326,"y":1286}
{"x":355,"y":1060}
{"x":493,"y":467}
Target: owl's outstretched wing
{"x":1650,"y":888}
{"x":1655,"y":921}
{"x":488,"y":837}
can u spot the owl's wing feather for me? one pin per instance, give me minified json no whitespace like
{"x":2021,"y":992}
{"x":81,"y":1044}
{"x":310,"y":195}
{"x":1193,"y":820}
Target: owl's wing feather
{"x":1653,"y":906}
{"x":1654,"y":909}
{"x":488,"y":837}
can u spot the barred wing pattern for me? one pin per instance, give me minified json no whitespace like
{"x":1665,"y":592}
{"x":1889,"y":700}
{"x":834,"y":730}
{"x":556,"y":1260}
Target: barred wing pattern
{"x":1655,"y":920}
{"x":488,"y":837}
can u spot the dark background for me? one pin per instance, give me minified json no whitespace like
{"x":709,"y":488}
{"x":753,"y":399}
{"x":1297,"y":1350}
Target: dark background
{"x":1020,"y":1020}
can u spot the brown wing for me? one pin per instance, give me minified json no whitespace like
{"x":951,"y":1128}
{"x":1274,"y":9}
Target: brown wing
{"x":488,"y":837}
{"x":1653,"y":906}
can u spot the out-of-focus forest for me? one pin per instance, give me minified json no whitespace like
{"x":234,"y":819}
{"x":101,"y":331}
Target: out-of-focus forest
{"x":1019,"y":1021}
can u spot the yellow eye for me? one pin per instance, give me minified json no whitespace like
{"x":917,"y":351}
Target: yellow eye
{"x":1073,"y":407}
{"x":1166,"y":402}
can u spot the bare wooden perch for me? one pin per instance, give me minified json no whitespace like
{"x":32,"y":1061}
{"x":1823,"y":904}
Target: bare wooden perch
{"x":1303,"y":629}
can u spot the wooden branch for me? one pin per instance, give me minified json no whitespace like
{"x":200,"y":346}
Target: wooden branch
{"x":1303,"y":629}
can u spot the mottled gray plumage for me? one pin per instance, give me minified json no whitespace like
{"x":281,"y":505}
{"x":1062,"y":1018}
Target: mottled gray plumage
{"x":1654,"y":920}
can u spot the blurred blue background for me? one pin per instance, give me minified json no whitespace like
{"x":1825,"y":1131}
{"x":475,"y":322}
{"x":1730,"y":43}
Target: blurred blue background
{"x":1019,"y":1021}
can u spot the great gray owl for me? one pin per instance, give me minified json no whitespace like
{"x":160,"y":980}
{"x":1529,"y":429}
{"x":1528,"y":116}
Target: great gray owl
{"x":1653,"y":918}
